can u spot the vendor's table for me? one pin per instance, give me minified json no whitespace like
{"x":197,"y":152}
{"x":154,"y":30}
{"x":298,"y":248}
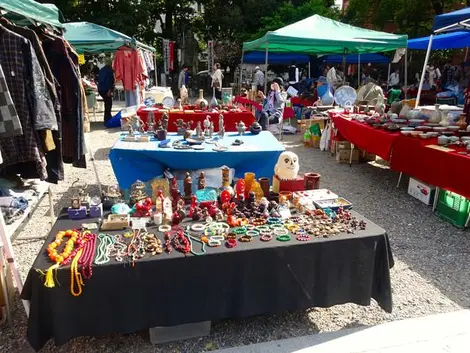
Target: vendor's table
{"x":446,"y":170}
{"x":253,"y":278}
{"x":230,"y":118}
{"x":288,"y":112}
{"x":145,"y":160}
{"x":365,"y":137}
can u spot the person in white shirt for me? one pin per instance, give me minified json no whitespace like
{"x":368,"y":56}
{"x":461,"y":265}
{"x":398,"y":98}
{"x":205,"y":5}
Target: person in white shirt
{"x":294,"y":76}
{"x":394,"y":78}
{"x":217,"y":77}
{"x":434,"y":75}
{"x":259,"y":79}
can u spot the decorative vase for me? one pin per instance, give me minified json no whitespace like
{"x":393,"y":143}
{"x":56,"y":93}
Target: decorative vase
{"x":249,"y":178}
{"x":327,"y":98}
{"x":436,"y":116}
{"x":444,"y":118}
{"x":256,"y":188}
{"x":214,"y":102}
{"x":312,"y":181}
{"x":264,"y":182}
{"x":255,"y":128}
{"x":161,"y":135}
{"x":462,"y":121}
{"x":201,"y":101}
{"x":226,"y":180}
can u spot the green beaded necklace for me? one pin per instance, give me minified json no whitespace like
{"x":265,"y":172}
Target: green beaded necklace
{"x":104,"y":248}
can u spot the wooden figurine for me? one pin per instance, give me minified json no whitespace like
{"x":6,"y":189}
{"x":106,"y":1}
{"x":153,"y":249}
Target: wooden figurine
{"x":188,"y":188}
{"x":201,"y":183}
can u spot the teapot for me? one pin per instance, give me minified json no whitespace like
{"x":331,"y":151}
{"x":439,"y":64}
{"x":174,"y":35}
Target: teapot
{"x":241,"y":127}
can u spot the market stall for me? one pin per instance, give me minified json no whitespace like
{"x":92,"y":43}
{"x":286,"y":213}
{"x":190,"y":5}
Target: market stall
{"x":231,"y":117}
{"x":146,"y":160}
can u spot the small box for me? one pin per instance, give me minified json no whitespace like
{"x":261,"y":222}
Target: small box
{"x":421,"y":191}
{"x":297,"y":184}
{"x":344,"y":156}
{"x":96,"y":211}
{"x":77,"y":213}
{"x":342,"y":145}
{"x":161,"y":334}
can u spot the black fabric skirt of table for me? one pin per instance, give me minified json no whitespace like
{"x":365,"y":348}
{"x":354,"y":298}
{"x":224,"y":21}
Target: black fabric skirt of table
{"x":254,"y":278}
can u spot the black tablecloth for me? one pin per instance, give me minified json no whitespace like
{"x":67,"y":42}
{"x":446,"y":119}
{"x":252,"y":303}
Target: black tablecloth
{"x":252,"y":279}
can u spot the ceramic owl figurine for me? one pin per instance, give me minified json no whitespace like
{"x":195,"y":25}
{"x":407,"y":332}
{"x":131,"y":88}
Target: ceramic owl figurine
{"x":287,"y":166}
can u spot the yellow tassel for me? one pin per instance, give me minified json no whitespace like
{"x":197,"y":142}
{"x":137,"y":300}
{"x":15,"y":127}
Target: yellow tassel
{"x":49,"y":283}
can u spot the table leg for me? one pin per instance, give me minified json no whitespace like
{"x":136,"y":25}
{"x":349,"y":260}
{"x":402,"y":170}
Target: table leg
{"x":399,"y":180}
{"x":351,"y":155}
{"x":436,"y":198}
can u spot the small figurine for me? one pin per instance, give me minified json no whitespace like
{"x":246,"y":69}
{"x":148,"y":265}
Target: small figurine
{"x":221,"y":132}
{"x":199,"y":130}
{"x":188,"y":187}
{"x":201,"y":182}
{"x":158,"y":126}
{"x":175,"y":193}
{"x":180,"y":104}
{"x":250,"y":202}
{"x":287,"y":166}
{"x":130,"y":129}
{"x":206,"y":216}
{"x":197,"y":214}
{"x":193,"y":206}
{"x":150,"y":122}
{"x":207,"y":124}
{"x":181,"y":209}
{"x":142,"y":208}
{"x":219,"y":216}
{"x":164,"y":121}
{"x":211,"y":129}
{"x":241,"y":127}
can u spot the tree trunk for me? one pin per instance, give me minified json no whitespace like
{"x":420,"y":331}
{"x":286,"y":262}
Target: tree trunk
{"x":438,"y":7}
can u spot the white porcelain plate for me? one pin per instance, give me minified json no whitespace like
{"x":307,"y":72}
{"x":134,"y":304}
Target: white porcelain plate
{"x":345,"y":96}
{"x":168,"y":102}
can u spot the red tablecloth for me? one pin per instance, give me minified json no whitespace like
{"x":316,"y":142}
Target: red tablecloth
{"x":447,"y":170}
{"x":230,"y":118}
{"x":363,"y":136}
{"x":301,"y":101}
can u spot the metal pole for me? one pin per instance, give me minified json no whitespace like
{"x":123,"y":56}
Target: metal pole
{"x":421,"y":81}
{"x":156,"y":73}
{"x":388,"y":76}
{"x":309,"y":73}
{"x":241,"y":70}
{"x":358,"y":70}
{"x":406,"y":74}
{"x":266,"y":69}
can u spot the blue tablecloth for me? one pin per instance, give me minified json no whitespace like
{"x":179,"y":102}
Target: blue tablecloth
{"x":145,"y":160}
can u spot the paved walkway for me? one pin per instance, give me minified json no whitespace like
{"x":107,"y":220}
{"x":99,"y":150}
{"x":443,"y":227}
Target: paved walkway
{"x":440,"y":333}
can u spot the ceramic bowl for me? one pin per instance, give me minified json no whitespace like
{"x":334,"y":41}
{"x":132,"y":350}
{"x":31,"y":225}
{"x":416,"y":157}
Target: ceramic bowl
{"x":453,"y":128}
{"x":406,"y":132}
{"x":433,"y":125}
{"x":439,"y":128}
{"x":406,"y":128}
{"x":425,"y":136}
{"x":424,"y":128}
{"x":432,"y":134}
{"x":399,"y":121}
{"x":416,"y":133}
{"x":465,"y":138}
{"x":416,"y":121}
{"x":453,"y":139}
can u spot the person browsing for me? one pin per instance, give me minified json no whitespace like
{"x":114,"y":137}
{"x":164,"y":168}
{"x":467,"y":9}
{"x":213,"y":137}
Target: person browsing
{"x":106,"y":87}
{"x":259,"y":79}
{"x":273,"y":104}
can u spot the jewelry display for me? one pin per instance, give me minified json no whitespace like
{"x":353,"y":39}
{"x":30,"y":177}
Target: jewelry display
{"x":153,"y":245}
{"x":231,"y":243}
{"x":266,"y":237}
{"x":86,"y":260}
{"x":104,"y":249}
{"x":119,"y":249}
{"x":164,"y":228}
{"x":246,"y":238}
{"x":283,"y":237}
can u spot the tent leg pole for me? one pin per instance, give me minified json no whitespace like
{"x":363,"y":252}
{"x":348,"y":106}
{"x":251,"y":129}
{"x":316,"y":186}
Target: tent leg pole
{"x":309,"y":72}
{"x":406,"y":74}
{"x":266,"y":69}
{"x":421,"y":81}
{"x":241,"y":70}
{"x":358,"y":70}
{"x":156,"y":71}
{"x":388,"y":76}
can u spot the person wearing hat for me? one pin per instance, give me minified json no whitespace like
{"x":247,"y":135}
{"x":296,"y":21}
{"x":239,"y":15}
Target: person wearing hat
{"x":259,"y":79}
{"x":273,"y":104}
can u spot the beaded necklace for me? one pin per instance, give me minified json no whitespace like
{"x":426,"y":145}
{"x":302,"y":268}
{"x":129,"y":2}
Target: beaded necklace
{"x":76,"y":276}
{"x":86,"y":260}
{"x":119,"y":249}
{"x":103,"y":251}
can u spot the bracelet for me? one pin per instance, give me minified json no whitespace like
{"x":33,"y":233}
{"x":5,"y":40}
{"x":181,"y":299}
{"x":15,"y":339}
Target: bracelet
{"x":218,"y":225}
{"x":280,"y":231}
{"x":303,"y":237}
{"x":252,"y":233}
{"x":231,"y":243}
{"x":198,"y":227}
{"x":246,"y":238}
{"x":284,"y":237}
{"x":265,"y":231}
{"x":239,"y":230}
{"x":250,"y":227}
{"x":266,"y":237}
{"x":260,"y":228}
{"x":276,"y":226}
{"x":231,"y":236}
{"x":218,"y":238}
{"x":273,"y":220}
{"x":214,"y":243}
{"x":214,"y":231}
{"x":164,"y":228}
{"x":258,"y":221}
{"x":242,"y":221}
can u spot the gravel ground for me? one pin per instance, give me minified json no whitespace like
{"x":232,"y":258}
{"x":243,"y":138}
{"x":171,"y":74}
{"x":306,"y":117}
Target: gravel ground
{"x":430,"y":275}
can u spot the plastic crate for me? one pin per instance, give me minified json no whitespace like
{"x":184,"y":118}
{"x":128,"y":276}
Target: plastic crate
{"x":453,"y":208}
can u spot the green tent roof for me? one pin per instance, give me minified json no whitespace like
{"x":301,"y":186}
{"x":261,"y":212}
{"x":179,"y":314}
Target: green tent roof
{"x":88,"y":37}
{"x":20,"y":10}
{"x":321,"y":35}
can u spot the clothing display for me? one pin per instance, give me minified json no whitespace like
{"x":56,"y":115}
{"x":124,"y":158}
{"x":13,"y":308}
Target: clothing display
{"x":39,"y":88}
{"x":128,"y":67}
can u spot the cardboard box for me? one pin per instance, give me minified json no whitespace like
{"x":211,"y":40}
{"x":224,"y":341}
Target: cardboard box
{"x":342,"y":145}
{"x":343,"y":156}
{"x":368,"y":157}
{"x":421,"y":191}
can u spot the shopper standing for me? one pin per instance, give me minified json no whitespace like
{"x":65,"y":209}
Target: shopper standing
{"x":217,"y":78}
{"x":259,"y":79}
{"x":106,"y":87}
{"x":183,"y":77}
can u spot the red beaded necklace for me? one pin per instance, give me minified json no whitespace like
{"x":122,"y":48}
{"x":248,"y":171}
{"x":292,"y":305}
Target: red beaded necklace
{"x":86,"y":260}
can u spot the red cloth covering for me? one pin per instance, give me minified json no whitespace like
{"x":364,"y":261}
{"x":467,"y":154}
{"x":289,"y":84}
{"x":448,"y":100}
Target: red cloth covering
{"x":230,"y":118}
{"x":363,"y":136}
{"x":447,"y":170}
{"x":301,"y":101}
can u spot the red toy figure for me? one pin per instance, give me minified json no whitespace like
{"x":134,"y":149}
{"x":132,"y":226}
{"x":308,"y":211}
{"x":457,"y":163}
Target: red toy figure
{"x":197,"y":214}
{"x":193,"y":205}
{"x":240,"y":188}
{"x":175,"y":193}
{"x":143,"y":208}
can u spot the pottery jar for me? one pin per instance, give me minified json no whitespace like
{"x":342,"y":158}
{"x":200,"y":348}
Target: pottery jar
{"x":312,"y":181}
{"x":249,"y":178}
{"x":264,"y":182}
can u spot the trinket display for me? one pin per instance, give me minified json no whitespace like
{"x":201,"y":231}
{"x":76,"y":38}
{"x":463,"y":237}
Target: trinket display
{"x":201,"y":182}
{"x":188,"y":187}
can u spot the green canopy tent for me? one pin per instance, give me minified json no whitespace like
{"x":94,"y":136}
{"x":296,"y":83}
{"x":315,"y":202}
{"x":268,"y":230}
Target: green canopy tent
{"x":24,"y":11}
{"x":91,"y":38}
{"x":321,"y":35}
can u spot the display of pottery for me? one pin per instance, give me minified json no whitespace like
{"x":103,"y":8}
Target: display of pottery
{"x":444,"y":117}
{"x":201,"y":102}
{"x":255,"y":128}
